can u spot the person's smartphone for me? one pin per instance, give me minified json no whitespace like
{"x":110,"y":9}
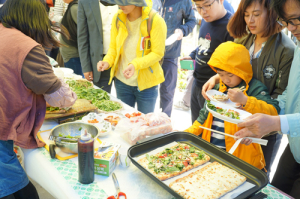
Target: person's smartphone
{"x":187,"y":64}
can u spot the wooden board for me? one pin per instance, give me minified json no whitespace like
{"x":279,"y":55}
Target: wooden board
{"x":80,"y":106}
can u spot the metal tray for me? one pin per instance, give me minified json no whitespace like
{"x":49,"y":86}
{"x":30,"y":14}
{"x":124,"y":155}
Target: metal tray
{"x":253,"y":175}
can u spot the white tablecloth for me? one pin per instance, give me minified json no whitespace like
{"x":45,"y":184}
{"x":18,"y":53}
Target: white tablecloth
{"x":132,"y":181}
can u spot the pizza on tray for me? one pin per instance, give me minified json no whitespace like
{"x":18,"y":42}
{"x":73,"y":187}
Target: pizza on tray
{"x":210,"y":182}
{"x":174,"y":161}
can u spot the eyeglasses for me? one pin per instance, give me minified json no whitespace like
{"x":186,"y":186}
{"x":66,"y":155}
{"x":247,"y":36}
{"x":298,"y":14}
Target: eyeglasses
{"x":284,"y":23}
{"x":206,"y":8}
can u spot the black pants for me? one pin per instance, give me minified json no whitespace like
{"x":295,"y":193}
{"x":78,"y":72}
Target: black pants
{"x":271,"y":150}
{"x":103,"y":81}
{"x":28,"y":192}
{"x":197,"y":101}
{"x":287,"y":176}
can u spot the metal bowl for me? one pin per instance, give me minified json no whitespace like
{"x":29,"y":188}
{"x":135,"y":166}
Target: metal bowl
{"x":73,"y":129}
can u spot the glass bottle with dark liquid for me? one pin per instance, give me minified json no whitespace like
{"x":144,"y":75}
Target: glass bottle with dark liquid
{"x":86,"y":158}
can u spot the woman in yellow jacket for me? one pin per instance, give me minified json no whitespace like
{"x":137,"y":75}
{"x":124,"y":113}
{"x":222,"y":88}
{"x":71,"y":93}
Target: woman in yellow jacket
{"x":232,"y":62}
{"x":134,"y":55}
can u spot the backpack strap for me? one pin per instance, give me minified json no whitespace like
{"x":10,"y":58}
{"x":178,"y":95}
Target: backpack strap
{"x":152,"y":13}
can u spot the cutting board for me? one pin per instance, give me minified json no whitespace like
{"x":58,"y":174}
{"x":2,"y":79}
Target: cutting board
{"x":80,"y":106}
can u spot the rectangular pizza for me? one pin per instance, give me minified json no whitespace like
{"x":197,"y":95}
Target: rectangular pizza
{"x":210,"y":182}
{"x":174,"y":161}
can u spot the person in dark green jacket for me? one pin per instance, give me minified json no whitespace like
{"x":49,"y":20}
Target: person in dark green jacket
{"x":271,"y":51}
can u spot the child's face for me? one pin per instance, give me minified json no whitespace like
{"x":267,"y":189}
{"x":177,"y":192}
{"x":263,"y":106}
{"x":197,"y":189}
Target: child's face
{"x":229,"y":79}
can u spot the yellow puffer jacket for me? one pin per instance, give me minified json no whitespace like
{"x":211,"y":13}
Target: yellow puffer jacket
{"x":234,"y":58}
{"x":146,"y":63}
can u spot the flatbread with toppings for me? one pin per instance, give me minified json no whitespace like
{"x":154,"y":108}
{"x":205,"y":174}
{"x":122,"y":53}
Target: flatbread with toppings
{"x":209,"y":182}
{"x":174,"y":161}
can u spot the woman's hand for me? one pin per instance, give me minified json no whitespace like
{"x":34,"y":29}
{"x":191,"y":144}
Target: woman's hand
{"x":237,"y":96}
{"x":102,"y":66}
{"x":210,"y":84}
{"x":129,"y":71}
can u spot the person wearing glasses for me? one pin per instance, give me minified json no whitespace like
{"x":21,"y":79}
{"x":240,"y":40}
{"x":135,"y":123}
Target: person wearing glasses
{"x":212,"y":33}
{"x":287,"y":175}
{"x":271,"y":51}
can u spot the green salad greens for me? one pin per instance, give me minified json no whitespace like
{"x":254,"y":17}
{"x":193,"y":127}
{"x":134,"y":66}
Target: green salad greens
{"x":52,"y":108}
{"x":228,"y":113}
{"x":98,"y":97}
{"x":107,"y":105}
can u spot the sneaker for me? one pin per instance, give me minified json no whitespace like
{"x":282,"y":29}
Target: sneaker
{"x":180,"y":105}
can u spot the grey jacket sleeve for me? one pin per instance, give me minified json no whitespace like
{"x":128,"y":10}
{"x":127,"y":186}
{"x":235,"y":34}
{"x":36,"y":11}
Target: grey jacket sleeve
{"x":83,"y":39}
{"x":189,"y":18}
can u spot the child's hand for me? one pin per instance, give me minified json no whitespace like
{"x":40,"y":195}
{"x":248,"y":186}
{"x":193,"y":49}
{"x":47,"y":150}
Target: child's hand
{"x":237,"y":96}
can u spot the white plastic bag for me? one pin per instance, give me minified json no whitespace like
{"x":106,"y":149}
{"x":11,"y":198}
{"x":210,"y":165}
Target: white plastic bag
{"x":137,"y":128}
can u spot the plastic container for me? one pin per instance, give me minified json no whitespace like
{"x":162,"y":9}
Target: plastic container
{"x":86,"y":158}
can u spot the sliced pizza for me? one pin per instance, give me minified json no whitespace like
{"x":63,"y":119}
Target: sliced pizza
{"x":174,"y":161}
{"x":210,"y":182}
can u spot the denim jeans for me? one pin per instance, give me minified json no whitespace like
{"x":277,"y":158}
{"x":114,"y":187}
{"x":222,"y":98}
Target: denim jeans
{"x":167,"y":88}
{"x":74,"y":64}
{"x":12,"y":176}
{"x":130,"y":95}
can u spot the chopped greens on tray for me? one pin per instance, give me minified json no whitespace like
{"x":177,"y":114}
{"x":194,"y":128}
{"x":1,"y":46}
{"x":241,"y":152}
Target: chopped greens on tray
{"x":52,"y":108}
{"x":98,"y":97}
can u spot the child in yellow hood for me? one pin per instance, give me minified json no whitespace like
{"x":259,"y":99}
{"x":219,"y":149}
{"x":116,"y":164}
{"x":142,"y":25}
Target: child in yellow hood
{"x":232,"y":62}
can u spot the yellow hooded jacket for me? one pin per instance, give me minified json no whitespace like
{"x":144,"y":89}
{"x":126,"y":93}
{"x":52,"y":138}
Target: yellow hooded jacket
{"x":235,"y":59}
{"x":146,"y":63}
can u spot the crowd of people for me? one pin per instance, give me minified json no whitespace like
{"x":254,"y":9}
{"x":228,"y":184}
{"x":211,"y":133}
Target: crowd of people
{"x":123,"y":41}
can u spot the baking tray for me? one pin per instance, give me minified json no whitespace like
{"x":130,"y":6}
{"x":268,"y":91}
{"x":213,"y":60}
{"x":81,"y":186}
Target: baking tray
{"x":253,"y":175}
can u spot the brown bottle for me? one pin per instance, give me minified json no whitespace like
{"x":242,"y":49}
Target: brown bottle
{"x":86,"y":158}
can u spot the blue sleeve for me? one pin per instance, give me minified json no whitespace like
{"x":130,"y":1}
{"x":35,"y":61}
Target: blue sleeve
{"x":228,"y":6}
{"x":189,"y":18}
{"x":294,"y":134}
{"x":294,"y":124}
{"x":193,"y":53}
{"x":282,"y":100}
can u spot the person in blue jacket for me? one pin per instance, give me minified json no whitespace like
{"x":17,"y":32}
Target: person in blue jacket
{"x":180,"y":18}
{"x":287,"y":175}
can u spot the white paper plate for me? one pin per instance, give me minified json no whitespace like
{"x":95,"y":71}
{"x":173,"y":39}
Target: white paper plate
{"x":243,"y":114}
{"x":213,"y":92}
{"x":67,"y":71}
{"x":102,"y":125}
